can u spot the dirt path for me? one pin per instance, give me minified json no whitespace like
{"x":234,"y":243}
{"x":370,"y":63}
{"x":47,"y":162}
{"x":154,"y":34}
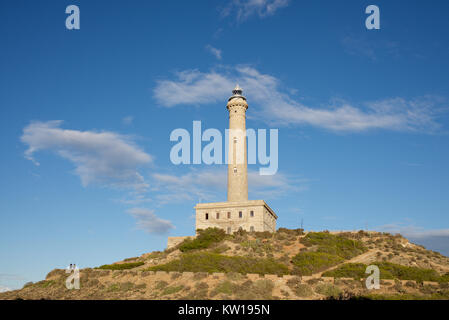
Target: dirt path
{"x":365,"y":258}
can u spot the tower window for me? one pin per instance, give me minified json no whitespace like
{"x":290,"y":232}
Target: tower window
{"x":235,"y":169}
{"x":218,"y":215}
{"x":251,"y":213}
{"x":207,"y":216}
{"x":251,"y":229}
{"x":229,"y":215}
{"x":229,"y":230}
{"x":240,"y":214}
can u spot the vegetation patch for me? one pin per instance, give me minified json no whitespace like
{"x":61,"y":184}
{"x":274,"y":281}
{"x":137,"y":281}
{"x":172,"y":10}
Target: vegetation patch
{"x":307,"y":263}
{"x":291,"y":232}
{"x":301,"y":290}
{"x":204,"y":239}
{"x":325,"y":250}
{"x":388,"y":270}
{"x":121,"y":266}
{"x":328,"y":290}
{"x":45,"y":283}
{"x":172,"y":290}
{"x":212,"y":262}
{"x":225,"y":287}
{"x":334,"y":244}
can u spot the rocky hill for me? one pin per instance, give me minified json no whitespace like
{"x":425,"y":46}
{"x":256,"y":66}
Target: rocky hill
{"x":289,"y":264}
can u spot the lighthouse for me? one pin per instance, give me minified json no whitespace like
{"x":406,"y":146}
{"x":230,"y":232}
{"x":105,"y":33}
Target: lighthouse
{"x":237,"y":213}
{"x":237,"y":157}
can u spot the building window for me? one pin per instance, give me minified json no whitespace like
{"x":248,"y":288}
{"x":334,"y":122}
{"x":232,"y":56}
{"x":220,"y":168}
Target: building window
{"x":240,"y":214}
{"x":251,"y":229}
{"x":229,"y":215}
{"x":218,"y":215}
{"x":229,"y":230}
{"x":251,"y":213}
{"x":207,"y":216}
{"x":235,"y":169}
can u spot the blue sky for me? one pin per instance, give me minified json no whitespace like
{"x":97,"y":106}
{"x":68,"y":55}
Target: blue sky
{"x":86,"y":117}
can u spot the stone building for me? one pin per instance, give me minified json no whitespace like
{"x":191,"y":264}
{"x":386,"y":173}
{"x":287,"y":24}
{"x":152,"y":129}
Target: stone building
{"x":238,"y":212}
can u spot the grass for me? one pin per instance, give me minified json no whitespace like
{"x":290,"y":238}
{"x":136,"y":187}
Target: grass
{"x":388,"y":270}
{"x":301,"y":290}
{"x":325,"y":250}
{"x":45,"y":283}
{"x":328,"y":290}
{"x":204,"y":239}
{"x":225,"y":287}
{"x":307,"y":263}
{"x":121,"y":266}
{"x":334,"y":244}
{"x":212,"y":262}
{"x":172,"y":290}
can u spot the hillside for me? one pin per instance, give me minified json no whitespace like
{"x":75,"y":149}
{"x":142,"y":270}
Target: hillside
{"x":289,"y":264}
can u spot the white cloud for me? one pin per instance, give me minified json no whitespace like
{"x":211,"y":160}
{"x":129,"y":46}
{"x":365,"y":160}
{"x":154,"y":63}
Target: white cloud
{"x":243,"y":9}
{"x":372,"y":49}
{"x":148,"y":221}
{"x":433,"y":239}
{"x":192,"y":87}
{"x":210,"y":185}
{"x":128,"y":120}
{"x":216,"y":52}
{"x":104,"y":158}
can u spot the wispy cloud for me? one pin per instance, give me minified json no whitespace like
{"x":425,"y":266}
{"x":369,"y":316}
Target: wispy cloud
{"x":214,"y":51}
{"x":414,"y":231}
{"x":149,"y":222}
{"x":243,"y":9}
{"x":210,"y":185}
{"x":273,"y":104}
{"x":370,"y":48}
{"x":128,"y":120}
{"x":434,"y":239}
{"x":104,"y":158}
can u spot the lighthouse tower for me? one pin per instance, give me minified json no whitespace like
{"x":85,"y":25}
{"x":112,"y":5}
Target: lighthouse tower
{"x":237,"y":158}
{"x":238,"y":212}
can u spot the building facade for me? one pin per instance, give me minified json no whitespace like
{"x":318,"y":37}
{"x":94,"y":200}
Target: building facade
{"x":253,"y":215}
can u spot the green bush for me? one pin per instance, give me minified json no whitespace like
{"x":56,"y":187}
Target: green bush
{"x":328,"y":250}
{"x":291,"y":232}
{"x":263,"y":288}
{"x":262,"y":234}
{"x":204,"y":239}
{"x":121,"y":266}
{"x":445,"y":278}
{"x":172,"y":290}
{"x":307,"y":263}
{"x":349,"y":270}
{"x":328,"y":290}
{"x":212,"y":262}
{"x":388,"y":270}
{"x":225,"y":287}
{"x":301,"y":290}
{"x":334,"y":244}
